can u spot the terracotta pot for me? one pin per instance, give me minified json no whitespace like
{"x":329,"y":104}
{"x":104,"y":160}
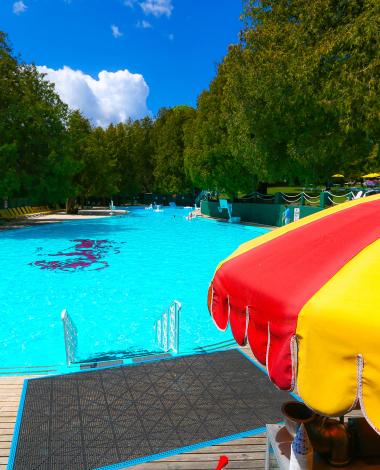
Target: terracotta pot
{"x":295,"y":413}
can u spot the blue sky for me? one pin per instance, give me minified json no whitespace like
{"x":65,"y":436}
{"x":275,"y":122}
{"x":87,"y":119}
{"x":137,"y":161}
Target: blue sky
{"x":173,"y":44}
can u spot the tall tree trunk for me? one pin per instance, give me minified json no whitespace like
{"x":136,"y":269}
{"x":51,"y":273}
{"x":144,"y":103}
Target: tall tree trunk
{"x":70,"y":205}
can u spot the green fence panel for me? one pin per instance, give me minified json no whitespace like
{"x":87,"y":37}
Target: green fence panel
{"x":264,"y":214}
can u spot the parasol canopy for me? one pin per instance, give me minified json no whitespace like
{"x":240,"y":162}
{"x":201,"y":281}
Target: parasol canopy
{"x":306,"y":298}
{"x":372,"y":175}
{"x":338,"y":175}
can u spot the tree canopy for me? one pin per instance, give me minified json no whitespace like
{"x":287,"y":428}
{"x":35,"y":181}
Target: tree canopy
{"x":314,"y":73}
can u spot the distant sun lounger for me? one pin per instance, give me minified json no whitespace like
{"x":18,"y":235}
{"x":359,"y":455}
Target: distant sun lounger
{"x":26,"y":211}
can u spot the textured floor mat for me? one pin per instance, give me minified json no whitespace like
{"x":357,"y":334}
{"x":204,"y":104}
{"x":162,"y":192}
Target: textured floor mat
{"x":126,"y":414}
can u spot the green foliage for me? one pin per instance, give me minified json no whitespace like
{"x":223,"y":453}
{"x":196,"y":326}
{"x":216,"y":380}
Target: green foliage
{"x":211,"y":157}
{"x":298,"y":99}
{"x":135,"y":159}
{"x":32,"y":132}
{"x":9,"y":181}
{"x":169,"y":146}
{"x":312,"y":69}
{"x":99,"y":176}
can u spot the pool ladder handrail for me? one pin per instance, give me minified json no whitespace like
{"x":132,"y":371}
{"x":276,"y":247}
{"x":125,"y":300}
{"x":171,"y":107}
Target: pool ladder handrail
{"x":70,"y":333}
{"x":167,"y":328}
{"x":167,"y":332}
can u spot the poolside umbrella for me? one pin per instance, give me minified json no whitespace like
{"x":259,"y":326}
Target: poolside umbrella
{"x":307,"y":299}
{"x":338,"y":175}
{"x":372,"y":175}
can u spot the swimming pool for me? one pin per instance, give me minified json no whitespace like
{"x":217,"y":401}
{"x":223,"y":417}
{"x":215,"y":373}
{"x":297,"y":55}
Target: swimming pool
{"x":115,"y":276}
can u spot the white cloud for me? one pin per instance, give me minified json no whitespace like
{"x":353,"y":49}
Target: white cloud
{"x":112,"y":97}
{"x":19,"y":7}
{"x":116,"y":31}
{"x":143,"y":24}
{"x":157,"y":7}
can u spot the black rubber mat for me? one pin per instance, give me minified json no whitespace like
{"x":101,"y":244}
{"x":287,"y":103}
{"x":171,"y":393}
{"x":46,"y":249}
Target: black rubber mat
{"x":99,"y":418}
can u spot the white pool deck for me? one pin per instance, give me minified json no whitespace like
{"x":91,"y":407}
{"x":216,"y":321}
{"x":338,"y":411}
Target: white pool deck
{"x":56,"y":217}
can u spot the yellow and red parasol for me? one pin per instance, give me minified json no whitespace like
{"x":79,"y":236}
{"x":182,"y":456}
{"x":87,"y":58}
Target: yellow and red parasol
{"x":307,"y":299}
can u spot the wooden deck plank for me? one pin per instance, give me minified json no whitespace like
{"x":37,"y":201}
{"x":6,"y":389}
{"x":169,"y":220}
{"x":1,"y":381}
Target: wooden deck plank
{"x":197,"y":457}
{"x":199,"y":465}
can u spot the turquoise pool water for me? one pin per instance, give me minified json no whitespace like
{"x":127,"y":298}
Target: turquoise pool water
{"x":115,"y":276}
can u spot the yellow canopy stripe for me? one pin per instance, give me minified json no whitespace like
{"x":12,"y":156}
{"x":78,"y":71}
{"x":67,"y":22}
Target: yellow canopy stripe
{"x":338,"y":347}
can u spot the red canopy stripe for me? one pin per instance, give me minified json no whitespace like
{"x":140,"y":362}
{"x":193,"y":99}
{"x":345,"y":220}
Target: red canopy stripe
{"x":274,"y":290}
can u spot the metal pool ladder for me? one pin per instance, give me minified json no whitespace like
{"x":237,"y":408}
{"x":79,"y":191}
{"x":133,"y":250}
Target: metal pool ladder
{"x":167,"y":328}
{"x":71,"y":337}
{"x":166,"y":338}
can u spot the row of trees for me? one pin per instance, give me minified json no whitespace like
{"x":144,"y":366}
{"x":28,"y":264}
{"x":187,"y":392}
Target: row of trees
{"x":50,"y":153}
{"x":297,"y":99}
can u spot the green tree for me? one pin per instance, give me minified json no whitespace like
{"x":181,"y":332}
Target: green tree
{"x":78,"y":132}
{"x":211,"y":159}
{"x":135,"y":159}
{"x":312,"y":88}
{"x":32,"y":133}
{"x":99,"y":176}
{"x":9,"y":180}
{"x":169,"y":145}
{"x":142,"y":154}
